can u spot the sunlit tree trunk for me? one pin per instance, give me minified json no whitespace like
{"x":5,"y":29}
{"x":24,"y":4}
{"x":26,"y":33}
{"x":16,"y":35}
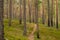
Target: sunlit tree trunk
{"x":1,"y":20}
{"x":57,"y":14}
{"x":24,"y":18}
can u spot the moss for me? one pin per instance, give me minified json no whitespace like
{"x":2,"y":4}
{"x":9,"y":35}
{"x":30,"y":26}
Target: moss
{"x":15,"y":32}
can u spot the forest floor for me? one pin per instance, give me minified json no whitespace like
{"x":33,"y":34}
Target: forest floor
{"x":15,"y":32}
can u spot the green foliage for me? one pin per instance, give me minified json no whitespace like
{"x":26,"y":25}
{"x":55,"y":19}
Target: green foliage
{"x":14,"y":32}
{"x":39,"y":2}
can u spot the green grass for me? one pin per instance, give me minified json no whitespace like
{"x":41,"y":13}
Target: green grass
{"x":15,"y":32}
{"x":48,"y":33}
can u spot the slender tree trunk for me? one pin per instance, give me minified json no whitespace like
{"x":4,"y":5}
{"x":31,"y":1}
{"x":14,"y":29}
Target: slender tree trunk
{"x":57,"y":14}
{"x":52,"y":12}
{"x":36,"y":17}
{"x":33,"y":11}
{"x":20,"y":21}
{"x":43,"y":16}
{"x":29,"y":4}
{"x":1,"y":20}
{"x":14,"y":13}
{"x":24,"y":17}
{"x":10,"y":13}
{"x":49,"y":21}
{"x":12,"y":9}
{"x":7,"y":9}
{"x":33,"y":17}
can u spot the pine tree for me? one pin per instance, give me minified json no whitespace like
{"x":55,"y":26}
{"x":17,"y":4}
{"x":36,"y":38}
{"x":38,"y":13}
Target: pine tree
{"x":52,"y":12}
{"x":29,"y":5}
{"x":1,"y":20}
{"x":49,"y":15}
{"x":10,"y":12}
{"x":43,"y":16}
{"x":24,"y":17}
{"x":20,"y":16}
{"x":57,"y":14}
{"x":36,"y":17}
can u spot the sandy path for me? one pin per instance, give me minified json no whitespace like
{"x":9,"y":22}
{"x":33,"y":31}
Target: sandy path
{"x":31,"y":36}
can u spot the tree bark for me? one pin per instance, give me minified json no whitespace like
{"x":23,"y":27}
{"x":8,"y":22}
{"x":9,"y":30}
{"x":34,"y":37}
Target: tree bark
{"x":43,"y":16}
{"x":36,"y":17}
{"x":57,"y":14}
{"x":10,"y":12}
{"x":49,"y":18}
{"x":7,"y":9}
{"x":52,"y":12}
{"x":24,"y":17}
{"x":1,"y":20}
{"x":20,"y":20}
{"x":29,"y":5}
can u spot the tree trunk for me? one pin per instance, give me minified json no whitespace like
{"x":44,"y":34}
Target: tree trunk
{"x":20,"y":21}
{"x":7,"y":9}
{"x":49,"y":19}
{"x":43,"y":16}
{"x":52,"y":12}
{"x":33,"y":11}
{"x":1,"y":20}
{"x":36,"y":17}
{"x":10,"y":13}
{"x":57,"y":14}
{"x":24,"y":17}
{"x":29,"y":4}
